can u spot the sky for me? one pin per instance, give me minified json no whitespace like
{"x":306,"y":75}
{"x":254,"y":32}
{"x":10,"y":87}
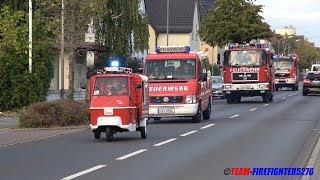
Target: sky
{"x":304,"y":15}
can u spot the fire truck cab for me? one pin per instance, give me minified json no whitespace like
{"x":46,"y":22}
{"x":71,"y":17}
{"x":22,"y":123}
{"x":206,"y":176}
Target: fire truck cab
{"x":286,"y":72}
{"x":179,"y":85}
{"x":248,"y":71}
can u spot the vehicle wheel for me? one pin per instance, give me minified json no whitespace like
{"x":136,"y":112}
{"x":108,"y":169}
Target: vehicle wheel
{"x":297,"y":87}
{"x":97,"y":134}
{"x":206,"y":113}
{"x":304,"y":93}
{"x":293,"y":88}
{"x":271,"y":98}
{"x":265,"y":98}
{"x":277,"y":88}
{"x":229,"y":99}
{"x":197,"y":117}
{"x":109,"y":134}
{"x":237,"y":99}
{"x":157,"y":118}
{"x":143,"y":131}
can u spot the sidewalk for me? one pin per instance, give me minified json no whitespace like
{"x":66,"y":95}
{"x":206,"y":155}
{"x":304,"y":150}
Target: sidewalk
{"x":10,"y":134}
{"x":314,"y":162}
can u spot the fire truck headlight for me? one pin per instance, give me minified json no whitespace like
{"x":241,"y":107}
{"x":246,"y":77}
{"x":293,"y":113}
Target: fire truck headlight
{"x":227,"y":87}
{"x":191,"y":99}
{"x":264,"y":86}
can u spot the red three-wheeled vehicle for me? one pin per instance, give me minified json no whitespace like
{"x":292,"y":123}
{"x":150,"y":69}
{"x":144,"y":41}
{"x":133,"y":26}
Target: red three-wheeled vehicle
{"x":118,"y":102}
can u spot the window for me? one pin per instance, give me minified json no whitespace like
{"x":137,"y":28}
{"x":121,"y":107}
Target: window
{"x":248,"y":58}
{"x":166,"y":69}
{"x":111,"y":86}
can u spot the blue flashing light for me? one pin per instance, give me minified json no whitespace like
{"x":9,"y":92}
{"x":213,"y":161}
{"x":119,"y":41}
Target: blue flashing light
{"x":174,"y":100}
{"x":259,"y":45}
{"x":158,"y":101}
{"x":115,"y":63}
{"x":231,"y":46}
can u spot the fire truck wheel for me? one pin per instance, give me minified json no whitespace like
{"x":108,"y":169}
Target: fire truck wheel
{"x":206,"y":113}
{"x":277,"y":88}
{"x":97,"y":134}
{"x":271,"y":98}
{"x":304,"y":93}
{"x":297,"y":87}
{"x":197,"y":117}
{"x":237,"y":99}
{"x":109,"y":134}
{"x":265,"y":98}
{"x":143,"y":131}
{"x":229,"y":99}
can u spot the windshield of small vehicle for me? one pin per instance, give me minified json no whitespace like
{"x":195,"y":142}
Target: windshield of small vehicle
{"x":170,"y":69}
{"x":313,"y":76}
{"x":110,"y":86}
{"x":245,"y":58}
{"x":315,"y":68}
{"x":216,"y":79}
{"x":283,"y":64}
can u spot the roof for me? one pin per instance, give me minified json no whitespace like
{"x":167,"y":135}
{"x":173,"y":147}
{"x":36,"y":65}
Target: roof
{"x":181,"y":14}
{"x":205,"y":5}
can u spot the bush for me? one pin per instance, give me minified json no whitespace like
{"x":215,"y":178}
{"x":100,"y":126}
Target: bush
{"x":59,"y":113}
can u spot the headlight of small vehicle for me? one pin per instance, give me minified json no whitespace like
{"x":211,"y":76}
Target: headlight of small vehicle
{"x":190,"y":99}
{"x":227,"y":87}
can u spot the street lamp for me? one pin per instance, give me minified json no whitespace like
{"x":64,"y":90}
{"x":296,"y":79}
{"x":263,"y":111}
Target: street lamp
{"x":30,"y":36}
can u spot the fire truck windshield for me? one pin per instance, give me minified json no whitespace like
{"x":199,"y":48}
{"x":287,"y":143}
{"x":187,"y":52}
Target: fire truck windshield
{"x":283,"y":64}
{"x":170,"y":69}
{"x":245,"y":58}
{"x":111,"y":86}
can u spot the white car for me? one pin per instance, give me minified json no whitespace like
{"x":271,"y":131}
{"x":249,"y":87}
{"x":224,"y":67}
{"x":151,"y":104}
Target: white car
{"x":315,"y":67}
{"x":217,"y":82}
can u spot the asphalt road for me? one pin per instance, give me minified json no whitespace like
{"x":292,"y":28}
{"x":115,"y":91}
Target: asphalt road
{"x":248,"y":134}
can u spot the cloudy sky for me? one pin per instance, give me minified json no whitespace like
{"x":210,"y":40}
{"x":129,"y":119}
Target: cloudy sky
{"x":304,"y":15}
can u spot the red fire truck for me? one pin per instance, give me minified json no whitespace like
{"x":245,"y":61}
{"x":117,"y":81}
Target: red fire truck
{"x":248,"y":71}
{"x":179,"y":85}
{"x":286,"y":71}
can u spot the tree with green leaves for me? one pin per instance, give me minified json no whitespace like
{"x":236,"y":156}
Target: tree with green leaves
{"x":118,"y":24}
{"x":18,"y":87}
{"x":308,"y":54}
{"x":234,"y":21}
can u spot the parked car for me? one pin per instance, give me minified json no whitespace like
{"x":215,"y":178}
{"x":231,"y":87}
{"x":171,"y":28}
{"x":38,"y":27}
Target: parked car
{"x":311,"y":83}
{"x":315,"y":67}
{"x":217,"y":82}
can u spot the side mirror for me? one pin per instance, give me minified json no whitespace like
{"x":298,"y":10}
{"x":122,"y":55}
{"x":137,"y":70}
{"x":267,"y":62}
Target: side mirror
{"x":270,"y":65}
{"x":204,"y":77}
{"x":139,"y":86}
{"x":83,"y":85}
{"x":218,"y":59}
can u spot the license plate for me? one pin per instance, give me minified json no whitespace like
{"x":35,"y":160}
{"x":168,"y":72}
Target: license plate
{"x":245,"y":87}
{"x":108,"y":111}
{"x":166,"y":111}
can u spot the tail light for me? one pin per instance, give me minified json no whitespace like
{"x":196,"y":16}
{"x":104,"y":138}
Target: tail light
{"x":306,"y":81}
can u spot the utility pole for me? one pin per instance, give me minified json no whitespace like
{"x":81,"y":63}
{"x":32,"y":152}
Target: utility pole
{"x":167,"y":22}
{"x":62,"y":50}
{"x":30,"y":36}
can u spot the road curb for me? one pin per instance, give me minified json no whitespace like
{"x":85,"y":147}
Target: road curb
{"x":314,"y":162}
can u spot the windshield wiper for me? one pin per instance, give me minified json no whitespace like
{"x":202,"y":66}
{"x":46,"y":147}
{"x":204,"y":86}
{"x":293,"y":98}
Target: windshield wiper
{"x":96,"y":87}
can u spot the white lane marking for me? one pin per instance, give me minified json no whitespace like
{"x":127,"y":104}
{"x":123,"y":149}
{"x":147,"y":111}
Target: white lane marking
{"x":234,"y":116}
{"x":283,"y":97}
{"x":3,"y":132}
{"x":188,"y":133}
{"x":266,"y":105}
{"x":253,"y":109}
{"x":204,"y":127}
{"x":165,"y":142}
{"x":131,"y":154}
{"x":276,"y":101}
{"x":83,"y":172}
{"x":291,"y":95}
